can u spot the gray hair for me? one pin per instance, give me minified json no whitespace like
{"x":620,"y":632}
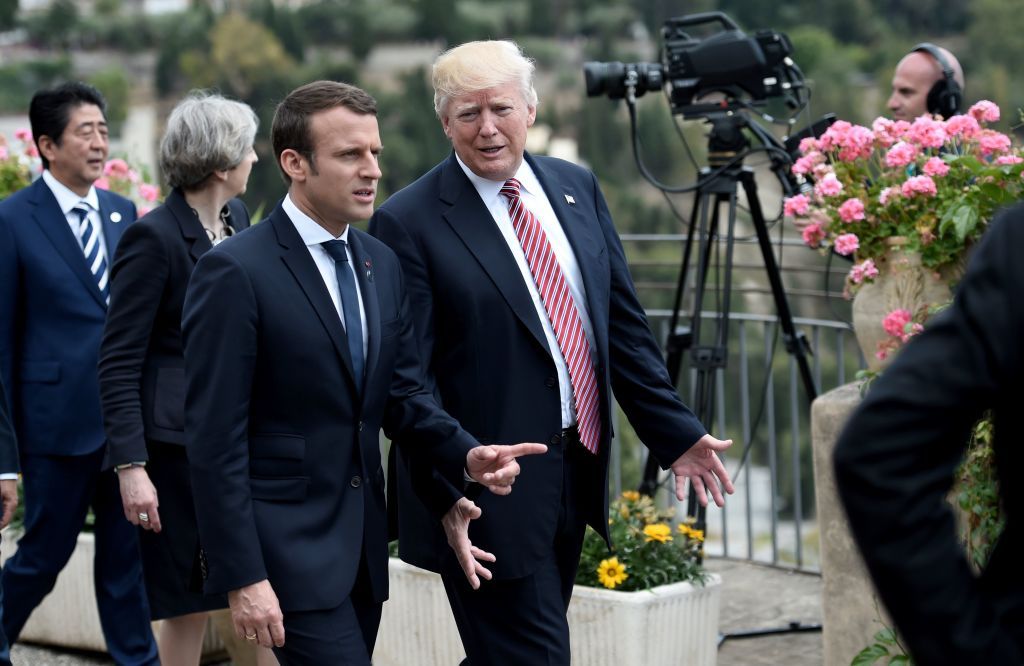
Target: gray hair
{"x":205,"y":133}
{"x":476,"y":66}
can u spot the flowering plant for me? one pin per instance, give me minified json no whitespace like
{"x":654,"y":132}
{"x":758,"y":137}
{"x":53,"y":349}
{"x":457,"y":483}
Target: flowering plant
{"x":933,"y":182}
{"x":20,"y":165}
{"x":648,"y":551}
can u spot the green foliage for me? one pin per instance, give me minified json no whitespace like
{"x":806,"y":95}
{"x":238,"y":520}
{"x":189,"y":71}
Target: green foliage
{"x":19,"y":80}
{"x":886,"y":648}
{"x":977,"y":494}
{"x":116,"y":89}
{"x":646,"y":551}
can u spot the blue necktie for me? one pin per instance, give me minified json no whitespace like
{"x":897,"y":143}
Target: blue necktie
{"x":349,"y":305}
{"x":95,"y":257}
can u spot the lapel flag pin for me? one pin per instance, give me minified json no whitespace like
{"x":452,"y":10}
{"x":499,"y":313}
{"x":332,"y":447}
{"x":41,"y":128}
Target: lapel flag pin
{"x":369,"y":270}
{"x":115,"y":217}
{"x":569,"y":200}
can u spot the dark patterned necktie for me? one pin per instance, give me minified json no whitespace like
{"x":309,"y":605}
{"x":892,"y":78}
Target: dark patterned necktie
{"x":349,"y":305}
{"x":95,"y":256}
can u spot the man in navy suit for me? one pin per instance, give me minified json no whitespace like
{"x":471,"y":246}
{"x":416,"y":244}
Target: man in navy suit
{"x":527,"y":317}
{"x":298,"y":348}
{"x":56,"y":240}
{"x":8,"y":493}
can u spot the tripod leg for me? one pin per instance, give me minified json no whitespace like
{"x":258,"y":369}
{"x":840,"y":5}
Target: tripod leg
{"x":796,"y":344}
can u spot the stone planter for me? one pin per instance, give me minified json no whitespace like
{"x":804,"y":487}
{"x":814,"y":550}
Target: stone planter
{"x":68,"y":617}
{"x":669,"y":625}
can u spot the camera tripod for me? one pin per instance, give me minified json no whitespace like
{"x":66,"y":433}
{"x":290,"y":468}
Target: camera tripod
{"x":708,"y":351}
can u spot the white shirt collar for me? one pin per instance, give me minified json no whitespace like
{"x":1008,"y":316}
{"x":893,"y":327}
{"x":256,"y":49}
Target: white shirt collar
{"x":491,"y":189}
{"x":311,"y":232}
{"x":67,"y":199}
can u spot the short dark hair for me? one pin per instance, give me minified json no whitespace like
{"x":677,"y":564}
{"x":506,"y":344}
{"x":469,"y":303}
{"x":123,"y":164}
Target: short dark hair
{"x":50,"y":110}
{"x":290,"y":128}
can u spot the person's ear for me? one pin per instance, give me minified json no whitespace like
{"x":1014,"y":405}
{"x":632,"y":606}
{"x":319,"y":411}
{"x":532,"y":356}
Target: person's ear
{"x":294,"y":164}
{"x":47,"y":147}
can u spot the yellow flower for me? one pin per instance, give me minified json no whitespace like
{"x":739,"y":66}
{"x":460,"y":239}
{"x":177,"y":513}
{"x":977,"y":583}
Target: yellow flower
{"x":611,"y":572}
{"x":658,"y":532}
{"x":684,"y":529}
{"x":630,"y":495}
{"x":697,"y":535}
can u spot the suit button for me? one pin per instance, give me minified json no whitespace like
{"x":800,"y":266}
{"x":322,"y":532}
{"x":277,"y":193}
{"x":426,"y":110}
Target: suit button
{"x":556,"y":440}
{"x":360,"y":426}
{"x":356,"y":482}
{"x":550,"y":382}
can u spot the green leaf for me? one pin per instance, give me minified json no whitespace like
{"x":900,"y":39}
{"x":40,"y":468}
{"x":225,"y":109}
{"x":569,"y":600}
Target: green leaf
{"x":963,"y":218}
{"x":869,"y":655}
{"x":886,"y":636}
{"x":901,"y":659}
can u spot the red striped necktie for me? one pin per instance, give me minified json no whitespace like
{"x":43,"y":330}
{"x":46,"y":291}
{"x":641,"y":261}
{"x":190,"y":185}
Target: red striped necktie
{"x":562,"y":312}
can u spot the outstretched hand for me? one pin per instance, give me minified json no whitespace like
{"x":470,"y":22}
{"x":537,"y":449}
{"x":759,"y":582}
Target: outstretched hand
{"x":702,"y":466}
{"x":494,"y":465}
{"x":456,"y":528}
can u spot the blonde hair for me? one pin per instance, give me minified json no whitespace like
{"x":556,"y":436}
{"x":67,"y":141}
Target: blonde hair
{"x":476,"y":66}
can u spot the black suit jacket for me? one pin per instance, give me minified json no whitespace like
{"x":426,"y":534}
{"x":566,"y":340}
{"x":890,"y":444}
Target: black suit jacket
{"x":142,"y":369}
{"x":895,"y":463}
{"x":283,"y":448}
{"x":8,"y":441}
{"x":489,"y":361}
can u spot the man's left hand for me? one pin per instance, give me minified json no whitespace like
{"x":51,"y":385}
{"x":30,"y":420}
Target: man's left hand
{"x":456,"y":528}
{"x":701,"y":465}
{"x":9,"y":498}
{"x":494,"y":466}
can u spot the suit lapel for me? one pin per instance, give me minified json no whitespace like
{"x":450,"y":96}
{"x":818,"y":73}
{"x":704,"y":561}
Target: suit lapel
{"x":188,"y":222}
{"x":48,"y":215}
{"x":371,"y":306}
{"x":113,"y":222}
{"x":303,"y":268}
{"x":470,"y":219}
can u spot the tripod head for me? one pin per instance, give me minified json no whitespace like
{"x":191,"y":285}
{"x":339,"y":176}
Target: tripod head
{"x":726,"y":141}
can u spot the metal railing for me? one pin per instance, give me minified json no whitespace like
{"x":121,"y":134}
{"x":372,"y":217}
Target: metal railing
{"x":761,"y":404}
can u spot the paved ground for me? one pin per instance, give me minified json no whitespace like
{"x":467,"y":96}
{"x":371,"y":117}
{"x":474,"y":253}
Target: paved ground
{"x":755,"y":599}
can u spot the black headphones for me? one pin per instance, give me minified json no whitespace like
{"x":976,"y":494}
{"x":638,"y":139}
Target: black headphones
{"x":945,"y":95}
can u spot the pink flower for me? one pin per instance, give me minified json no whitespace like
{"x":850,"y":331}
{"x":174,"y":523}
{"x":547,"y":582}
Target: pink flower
{"x":31,"y":150}
{"x":3,"y":153}
{"x":829,"y":186}
{"x":895,"y":322}
{"x":1009,"y":159}
{"x":865,"y":270}
{"x":857,"y":142}
{"x":102,"y":183}
{"x":984,"y":111}
{"x":883,"y":129}
{"x":993,"y":142}
{"x":846,"y":244}
{"x":963,"y":126}
{"x":901,"y":155}
{"x":813,"y":234}
{"x":143,"y":210}
{"x":809,"y":144}
{"x":834,"y":136}
{"x":919,"y":185}
{"x":888,"y":193}
{"x":851,"y":209}
{"x":24,"y":135}
{"x":805,"y":164}
{"x":149,"y":192}
{"x":927,"y":132}
{"x":935,"y":166}
{"x":117,"y":168}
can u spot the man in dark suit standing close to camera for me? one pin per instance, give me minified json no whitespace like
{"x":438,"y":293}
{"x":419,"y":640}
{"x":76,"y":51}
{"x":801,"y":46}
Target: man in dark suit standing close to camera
{"x":898,"y":456}
{"x":298,"y":348}
{"x":56,"y":240}
{"x":527,"y":318}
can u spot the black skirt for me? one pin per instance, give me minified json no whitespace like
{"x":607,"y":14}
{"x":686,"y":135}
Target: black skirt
{"x":170,"y":559}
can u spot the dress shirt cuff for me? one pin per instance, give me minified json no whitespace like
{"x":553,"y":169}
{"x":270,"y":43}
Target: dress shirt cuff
{"x":8,"y":476}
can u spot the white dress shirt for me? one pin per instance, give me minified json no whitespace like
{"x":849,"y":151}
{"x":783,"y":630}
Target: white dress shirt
{"x":313,"y":235}
{"x":534,"y":198}
{"x":68,"y":201}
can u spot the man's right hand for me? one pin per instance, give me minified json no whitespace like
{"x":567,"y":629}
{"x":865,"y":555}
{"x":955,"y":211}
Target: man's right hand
{"x":9,"y":497}
{"x":256,"y":614}
{"x":456,"y":527}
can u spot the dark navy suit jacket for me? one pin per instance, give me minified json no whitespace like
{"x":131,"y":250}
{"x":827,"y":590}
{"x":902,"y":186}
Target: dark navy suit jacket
{"x":898,"y":455}
{"x":142,"y":368}
{"x":8,"y":441}
{"x":489,"y":362}
{"x":51,"y":321}
{"x":283,"y":448}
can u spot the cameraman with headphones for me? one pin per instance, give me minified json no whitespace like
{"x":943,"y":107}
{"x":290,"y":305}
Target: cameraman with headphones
{"x":929,"y":79}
